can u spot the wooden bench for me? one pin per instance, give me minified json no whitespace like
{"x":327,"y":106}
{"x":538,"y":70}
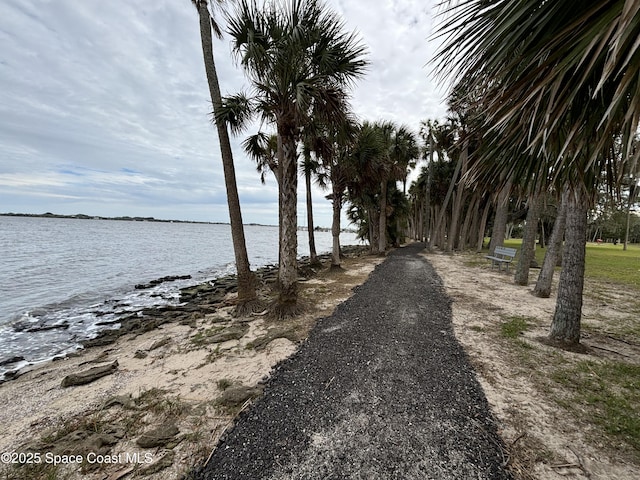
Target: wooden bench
{"x":502,"y":256}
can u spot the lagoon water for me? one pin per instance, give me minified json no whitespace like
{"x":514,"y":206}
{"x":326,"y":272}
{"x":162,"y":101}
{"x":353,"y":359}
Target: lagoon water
{"x":59,"y":278}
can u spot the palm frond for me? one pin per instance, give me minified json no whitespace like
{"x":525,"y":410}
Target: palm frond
{"x":236,"y":111}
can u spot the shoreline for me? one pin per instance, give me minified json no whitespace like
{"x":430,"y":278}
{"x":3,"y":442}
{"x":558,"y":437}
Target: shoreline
{"x":198,"y":298}
{"x":186,"y":370}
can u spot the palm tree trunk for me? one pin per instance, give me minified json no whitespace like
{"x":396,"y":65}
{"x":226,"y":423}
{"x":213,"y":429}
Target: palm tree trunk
{"x":565,"y":327}
{"x":335,"y":225}
{"x":313,"y":256}
{"x":447,"y":197}
{"x":470,"y":222}
{"x":482,"y":227}
{"x":288,"y":193}
{"x":374,"y":231}
{"x":500,"y":217}
{"x":456,"y":210}
{"x":382,"y":225}
{"x":427,"y":201}
{"x":247,"y":298}
{"x":545,"y":279}
{"x":527,"y":252}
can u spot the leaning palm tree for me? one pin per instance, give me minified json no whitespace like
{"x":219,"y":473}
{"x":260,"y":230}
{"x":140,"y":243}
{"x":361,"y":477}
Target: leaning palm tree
{"x":300,"y":65}
{"x":247,"y":298}
{"x":560,"y":82}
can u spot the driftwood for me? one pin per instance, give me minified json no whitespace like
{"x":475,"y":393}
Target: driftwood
{"x":90,"y":375}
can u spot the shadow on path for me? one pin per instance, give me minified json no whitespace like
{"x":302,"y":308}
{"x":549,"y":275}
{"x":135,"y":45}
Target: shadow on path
{"x":380,"y":390}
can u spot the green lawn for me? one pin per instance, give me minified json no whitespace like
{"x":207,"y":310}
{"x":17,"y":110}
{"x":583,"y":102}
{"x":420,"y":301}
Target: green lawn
{"x":605,"y":261}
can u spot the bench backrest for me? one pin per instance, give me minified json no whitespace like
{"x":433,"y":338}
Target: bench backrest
{"x":505,"y":251}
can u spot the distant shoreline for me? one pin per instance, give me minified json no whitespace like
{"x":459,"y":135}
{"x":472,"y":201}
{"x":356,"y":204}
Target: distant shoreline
{"x":82,"y":216}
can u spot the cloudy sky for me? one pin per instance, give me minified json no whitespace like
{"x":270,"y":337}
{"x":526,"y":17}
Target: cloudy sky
{"x":104,"y":106}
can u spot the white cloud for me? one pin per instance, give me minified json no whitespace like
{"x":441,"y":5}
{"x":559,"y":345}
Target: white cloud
{"x":107,"y":88}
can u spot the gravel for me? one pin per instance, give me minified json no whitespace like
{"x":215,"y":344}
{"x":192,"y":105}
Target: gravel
{"x":380,"y":390}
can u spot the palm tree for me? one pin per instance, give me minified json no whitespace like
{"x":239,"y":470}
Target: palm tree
{"x":311,"y":166}
{"x":559,"y":82}
{"x":404,"y":154}
{"x":300,"y":65}
{"x":427,"y":131}
{"x":379,"y":155}
{"x":330,"y":144}
{"x":528,"y":249}
{"x":364,"y":158}
{"x":247,"y":297}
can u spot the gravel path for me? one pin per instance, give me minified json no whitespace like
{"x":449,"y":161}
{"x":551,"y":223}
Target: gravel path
{"x":380,"y":390}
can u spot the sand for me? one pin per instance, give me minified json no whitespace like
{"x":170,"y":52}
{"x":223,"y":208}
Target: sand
{"x":546,"y":442}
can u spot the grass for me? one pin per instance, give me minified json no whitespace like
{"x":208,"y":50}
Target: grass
{"x":598,"y":396}
{"x":161,"y":403}
{"x":602,"y":393}
{"x":608,"y":393}
{"x":204,"y":337}
{"x":604,"y":262}
{"x":514,"y":327}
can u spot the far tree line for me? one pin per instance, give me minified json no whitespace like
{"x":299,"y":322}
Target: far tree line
{"x":542,"y":132}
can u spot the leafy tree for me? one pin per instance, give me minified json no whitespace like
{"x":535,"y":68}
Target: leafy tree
{"x":247,"y":297}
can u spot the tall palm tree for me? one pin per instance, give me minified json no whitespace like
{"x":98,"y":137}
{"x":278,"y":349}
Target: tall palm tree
{"x":300,"y":65}
{"x":428,"y":130}
{"x":311,"y":166}
{"x":331,"y":143}
{"x":404,"y":154}
{"x":247,"y":297}
{"x":560,"y":81}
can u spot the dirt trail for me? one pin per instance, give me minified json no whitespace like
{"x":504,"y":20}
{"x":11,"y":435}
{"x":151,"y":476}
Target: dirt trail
{"x":381,"y":389}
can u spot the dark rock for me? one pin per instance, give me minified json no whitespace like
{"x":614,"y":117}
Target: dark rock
{"x":158,"y":281}
{"x":104,"y":323}
{"x":106,"y":337}
{"x":90,"y":375}
{"x":233,"y":332}
{"x":160,"y":343}
{"x":236,"y":396}
{"x":158,"y":437}
{"x":11,"y":360}
{"x":42,"y":328}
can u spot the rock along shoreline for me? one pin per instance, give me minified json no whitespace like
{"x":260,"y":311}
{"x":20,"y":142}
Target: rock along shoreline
{"x":194,"y":303}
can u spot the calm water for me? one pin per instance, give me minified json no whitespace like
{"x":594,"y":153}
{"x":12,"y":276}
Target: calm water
{"x":57,"y":274}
